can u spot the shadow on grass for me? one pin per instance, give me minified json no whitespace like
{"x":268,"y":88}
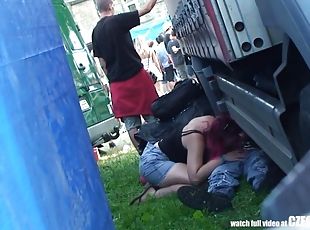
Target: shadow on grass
{"x":121,"y":179}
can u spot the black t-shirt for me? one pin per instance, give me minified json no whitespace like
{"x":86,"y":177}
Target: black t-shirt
{"x":173,"y":148}
{"x":112,"y":42}
{"x":177,"y":58}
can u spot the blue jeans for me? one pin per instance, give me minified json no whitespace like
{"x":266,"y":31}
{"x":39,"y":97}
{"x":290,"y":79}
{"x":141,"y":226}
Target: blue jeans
{"x":225,"y":178}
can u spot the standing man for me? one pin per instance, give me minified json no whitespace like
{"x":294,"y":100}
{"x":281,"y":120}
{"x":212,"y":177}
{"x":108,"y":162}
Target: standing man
{"x":166,"y":64}
{"x":167,"y":28}
{"x":131,"y":87}
{"x":175,"y":52}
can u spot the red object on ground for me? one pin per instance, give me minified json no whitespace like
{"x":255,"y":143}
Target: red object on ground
{"x":96,"y":153}
{"x":142,"y":180}
{"x":133,"y":96}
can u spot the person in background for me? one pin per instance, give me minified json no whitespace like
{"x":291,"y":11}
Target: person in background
{"x":167,"y":28}
{"x":166,"y":64}
{"x":189,"y":68}
{"x":176,"y":55}
{"x":150,"y":61}
{"x":151,"y":45}
{"x":148,"y":57}
{"x":225,"y":136}
{"x":132,"y":90}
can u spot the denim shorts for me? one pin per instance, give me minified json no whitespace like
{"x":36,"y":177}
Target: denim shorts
{"x":154,"y":164}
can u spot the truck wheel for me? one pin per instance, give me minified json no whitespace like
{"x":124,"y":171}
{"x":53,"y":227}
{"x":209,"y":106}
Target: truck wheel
{"x":114,"y":135}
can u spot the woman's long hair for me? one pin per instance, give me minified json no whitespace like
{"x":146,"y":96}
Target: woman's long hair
{"x":224,"y":136}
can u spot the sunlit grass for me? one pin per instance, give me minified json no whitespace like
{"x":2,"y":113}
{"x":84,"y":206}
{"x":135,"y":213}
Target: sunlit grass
{"x":120,"y":176}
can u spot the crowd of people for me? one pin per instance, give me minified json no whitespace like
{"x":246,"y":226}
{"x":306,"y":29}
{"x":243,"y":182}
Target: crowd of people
{"x":213,"y":152}
{"x":163,"y":58}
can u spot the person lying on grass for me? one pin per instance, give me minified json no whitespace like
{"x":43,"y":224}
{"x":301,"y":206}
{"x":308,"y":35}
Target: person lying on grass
{"x":166,"y":167}
{"x":225,"y":136}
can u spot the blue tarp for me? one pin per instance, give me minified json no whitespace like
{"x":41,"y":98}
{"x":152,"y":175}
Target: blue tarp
{"x":149,"y":30}
{"x":48,"y":176}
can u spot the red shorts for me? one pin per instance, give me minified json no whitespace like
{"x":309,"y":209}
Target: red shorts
{"x":134,"y":96}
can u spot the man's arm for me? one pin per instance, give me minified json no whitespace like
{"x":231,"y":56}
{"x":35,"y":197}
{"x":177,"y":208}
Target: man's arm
{"x":156,"y":61}
{"x":129,"y":20}
{"x":103,"y":65}
{"x":197,"y":171}
{"x":147,"y":7}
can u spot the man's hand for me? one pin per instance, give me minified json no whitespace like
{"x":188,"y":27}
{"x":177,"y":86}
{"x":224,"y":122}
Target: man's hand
{"x":147,"y":7}
{"x":175,"y":49}
{"x":237,"y":155}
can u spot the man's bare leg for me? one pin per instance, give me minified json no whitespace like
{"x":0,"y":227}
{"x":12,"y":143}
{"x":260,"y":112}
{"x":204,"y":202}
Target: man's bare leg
{"x":132,"y":133}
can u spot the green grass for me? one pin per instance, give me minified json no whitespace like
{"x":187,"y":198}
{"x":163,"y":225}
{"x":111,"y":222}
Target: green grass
{"x":120,"y":177}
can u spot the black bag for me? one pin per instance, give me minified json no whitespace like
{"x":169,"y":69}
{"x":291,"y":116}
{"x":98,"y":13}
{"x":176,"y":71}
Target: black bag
{"x":171,"y":104}
{"x":155,"y":131}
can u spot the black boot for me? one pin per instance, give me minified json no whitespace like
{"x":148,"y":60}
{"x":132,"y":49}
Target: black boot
{"x":197,"y":198}
{"x":219,"y":202}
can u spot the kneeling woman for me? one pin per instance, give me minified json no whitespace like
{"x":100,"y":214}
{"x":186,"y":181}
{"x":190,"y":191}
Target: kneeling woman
{"x":180,"y":160}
